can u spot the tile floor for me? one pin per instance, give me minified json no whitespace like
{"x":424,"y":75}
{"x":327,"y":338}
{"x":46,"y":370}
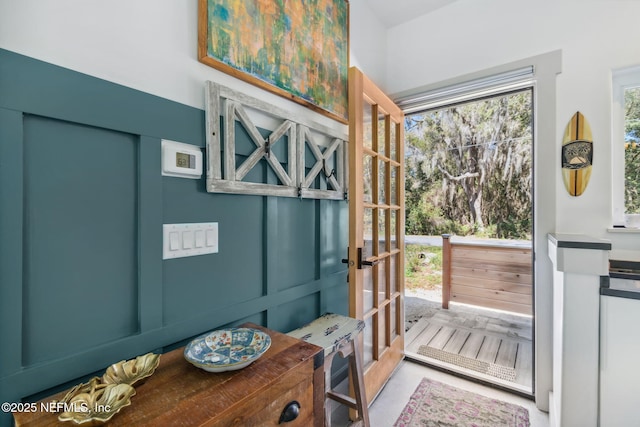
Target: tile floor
{"x":394,"y":396}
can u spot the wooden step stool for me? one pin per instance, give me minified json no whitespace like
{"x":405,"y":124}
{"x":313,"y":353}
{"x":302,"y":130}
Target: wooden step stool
{"x":339,"y":334}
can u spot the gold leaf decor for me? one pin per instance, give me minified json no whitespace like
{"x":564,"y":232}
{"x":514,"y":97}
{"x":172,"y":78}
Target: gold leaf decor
{"x":98,"y":400}
{"x":99,"y":405}
{"x":131,"y":371}
{"x":81,"y":388}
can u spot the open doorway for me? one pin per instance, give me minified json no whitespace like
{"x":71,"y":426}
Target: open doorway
{"x":469,"y":219}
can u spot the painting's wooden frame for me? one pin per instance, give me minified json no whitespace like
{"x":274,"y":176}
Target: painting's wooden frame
{"x":300,"y":132}
{"x":204,"y":57}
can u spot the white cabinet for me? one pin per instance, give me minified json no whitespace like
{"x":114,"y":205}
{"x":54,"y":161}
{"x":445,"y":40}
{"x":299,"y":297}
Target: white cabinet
{"x":579,"y":262}
{"x":619,"y":362}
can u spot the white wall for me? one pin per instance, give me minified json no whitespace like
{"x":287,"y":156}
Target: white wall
{"x":149,"y":45}
{"x":368,"y":41}
{"x":595,"y":36}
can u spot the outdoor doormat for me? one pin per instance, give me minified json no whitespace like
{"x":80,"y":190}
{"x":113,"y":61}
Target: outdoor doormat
{"x":434,"y":404}
{"x":498,"y":371}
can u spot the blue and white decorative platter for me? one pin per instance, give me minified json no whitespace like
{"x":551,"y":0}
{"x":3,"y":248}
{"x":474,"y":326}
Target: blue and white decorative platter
{"x":227,"y":349}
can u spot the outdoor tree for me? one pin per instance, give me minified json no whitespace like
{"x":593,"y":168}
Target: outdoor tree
{"x":469,"y":168}
{"x":632,"y":151}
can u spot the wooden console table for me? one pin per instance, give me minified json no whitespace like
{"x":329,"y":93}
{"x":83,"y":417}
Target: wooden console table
{"x":178,"y":393}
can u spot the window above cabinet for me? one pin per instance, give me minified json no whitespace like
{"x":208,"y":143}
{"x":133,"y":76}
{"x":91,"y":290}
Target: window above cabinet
{"x":626,"y":147}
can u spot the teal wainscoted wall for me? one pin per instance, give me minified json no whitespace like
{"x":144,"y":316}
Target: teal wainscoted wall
{"x":82,"y":203}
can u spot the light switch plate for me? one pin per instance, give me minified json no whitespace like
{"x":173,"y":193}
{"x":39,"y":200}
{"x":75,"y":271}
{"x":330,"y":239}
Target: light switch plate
{"x":183,"y":240}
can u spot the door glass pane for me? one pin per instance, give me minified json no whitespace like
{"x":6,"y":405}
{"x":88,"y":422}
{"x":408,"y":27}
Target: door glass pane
{"x":367,"y":289}
{"x":394,"y":315}
{"x":382,"y":235}
{"x":393,"y":143}
{"x":394,"y":185}
{"x":381,"y":182}
{"x":382,"y":133}
{"x":394,"y":229}
{"x":382,"y":280}
{"x":393,"y":261}
{"x":367,"y":127}
{"x":367,"y":224}
{"x":382,"y":329}
{"x":367,"y":166}
{"x":367,"y":334}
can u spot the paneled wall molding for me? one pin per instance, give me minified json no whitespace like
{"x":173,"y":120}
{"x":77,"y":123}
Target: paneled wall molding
{"x":82,"y":203}
{"x":11,"y":249}
{"x":32,"y":379}
{"x":327,"y":177}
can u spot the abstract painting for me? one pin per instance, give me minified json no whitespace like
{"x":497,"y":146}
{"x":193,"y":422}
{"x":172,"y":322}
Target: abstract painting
{"x":298,"y":49}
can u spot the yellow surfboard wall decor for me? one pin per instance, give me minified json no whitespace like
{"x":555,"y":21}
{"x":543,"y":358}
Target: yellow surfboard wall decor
{"x":577,"y":154}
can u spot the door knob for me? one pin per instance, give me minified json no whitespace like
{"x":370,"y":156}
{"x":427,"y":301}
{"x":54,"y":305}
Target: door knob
{"x":346,"y":260}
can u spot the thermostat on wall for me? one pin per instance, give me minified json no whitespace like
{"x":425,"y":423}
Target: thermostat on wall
{"x":181,"y":160}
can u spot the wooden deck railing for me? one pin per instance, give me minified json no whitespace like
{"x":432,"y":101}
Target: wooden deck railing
{"x":487,"y":274}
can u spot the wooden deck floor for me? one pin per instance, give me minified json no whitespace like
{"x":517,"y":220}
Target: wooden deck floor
{"x":489,"y":345}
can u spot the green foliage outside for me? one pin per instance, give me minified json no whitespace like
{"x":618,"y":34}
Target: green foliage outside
{"x":423,"y":267}
{"x":632,"y":151}
{"x":469,"y":169}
